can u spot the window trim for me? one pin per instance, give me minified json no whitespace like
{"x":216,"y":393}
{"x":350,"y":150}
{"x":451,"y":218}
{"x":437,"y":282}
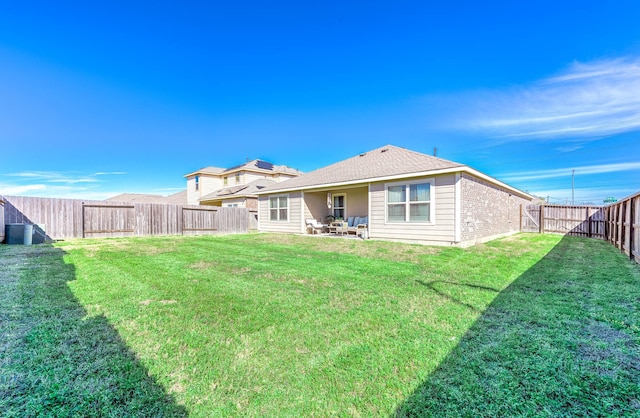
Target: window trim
{"x":344,"y":207}
{"x":407,"y":203}
{"x":278,"y":209}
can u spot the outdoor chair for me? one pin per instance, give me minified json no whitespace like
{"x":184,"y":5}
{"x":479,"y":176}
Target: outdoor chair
{"x":357,"y":225}
{"x":314,"y":227}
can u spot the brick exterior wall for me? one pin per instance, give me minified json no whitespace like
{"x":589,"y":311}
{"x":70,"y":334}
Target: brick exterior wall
{"x":251,"y":203}
{"x":487,"y":210}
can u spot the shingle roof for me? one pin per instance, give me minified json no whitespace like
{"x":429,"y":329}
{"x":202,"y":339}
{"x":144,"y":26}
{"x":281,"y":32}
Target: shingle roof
{"x":381,"y":162}
{"x":238,"y":191}
{"x":179,"y":198}
{"x":207,"y":170}
{"x":253,"y":165}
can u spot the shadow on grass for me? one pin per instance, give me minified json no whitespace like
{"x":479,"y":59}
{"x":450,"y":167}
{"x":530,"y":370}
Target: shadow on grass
{"x":563,"y":339}
{"x":434,"y":284}
{"x":55,"y":360}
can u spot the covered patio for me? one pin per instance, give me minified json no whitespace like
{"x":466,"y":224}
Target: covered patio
{"x":337,"y":211}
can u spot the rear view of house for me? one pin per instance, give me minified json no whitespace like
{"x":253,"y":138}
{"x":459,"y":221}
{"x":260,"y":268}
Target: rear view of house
{"x":405,"y":195}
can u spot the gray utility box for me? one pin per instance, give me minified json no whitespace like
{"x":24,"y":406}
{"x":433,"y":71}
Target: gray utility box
{"x":17,"y":234}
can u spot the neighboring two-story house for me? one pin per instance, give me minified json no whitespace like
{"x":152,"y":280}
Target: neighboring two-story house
{"x":235,"y":186}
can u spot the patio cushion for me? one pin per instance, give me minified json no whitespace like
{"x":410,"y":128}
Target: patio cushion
{"x":357,"y":221}
{"x":350,"y":221}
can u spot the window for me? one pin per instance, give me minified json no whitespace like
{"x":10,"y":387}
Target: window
{"x":339,"y":206}
{"x":238,"y":178}
{"x":410,"y":202}
{"x":197,"y":182}
{"x":225,"y":181}
{"x":279,"y":208}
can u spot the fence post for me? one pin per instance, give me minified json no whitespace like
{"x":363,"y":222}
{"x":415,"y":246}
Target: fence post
{"x":588,"y":223}
{"x":606,"y":223}
{"x":621,"y":212}
{"x":630,"y":229}
{"x":541,"y":219}
{"x":1,"y":219}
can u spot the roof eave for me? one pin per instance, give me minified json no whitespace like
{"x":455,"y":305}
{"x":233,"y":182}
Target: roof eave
{"x":366,"y":180}
{"x":402,"y":176}
{"x":204,"y":199}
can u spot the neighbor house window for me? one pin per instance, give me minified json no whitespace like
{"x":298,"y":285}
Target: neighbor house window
{"x":410,"y":202}
{"x":279,"y":208}
{"x":197,"y":182}
{"x":225,"y":181}
{"x":238,"y":178}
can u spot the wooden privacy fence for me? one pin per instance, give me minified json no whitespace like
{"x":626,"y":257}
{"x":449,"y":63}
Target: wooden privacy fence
{"x":582,"y":221}
{"x":1,"y":220}
{"x":71,"y":218}
{"x":623,"y":226}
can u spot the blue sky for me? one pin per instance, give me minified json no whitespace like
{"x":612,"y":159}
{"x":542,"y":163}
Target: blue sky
{"x":104,"y":98}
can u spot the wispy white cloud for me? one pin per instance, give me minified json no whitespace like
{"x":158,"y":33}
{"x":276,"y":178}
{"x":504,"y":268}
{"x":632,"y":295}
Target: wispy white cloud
{"x":563,"y":172}
{"x":588,"y":100}
{"x":110,"y":173}
{"x":59,"y":184}
{"x":6,"y":189}
{"x":61,"y":177}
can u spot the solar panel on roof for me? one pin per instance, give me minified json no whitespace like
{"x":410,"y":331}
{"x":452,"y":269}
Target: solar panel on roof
{"x":264,"y":165}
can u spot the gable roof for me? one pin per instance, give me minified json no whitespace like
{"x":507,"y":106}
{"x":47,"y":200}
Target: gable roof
{"x":384,"y":163}
{"x":259,"y":166}
{"x":242,"y":190}
{"x":206,"y":170}
{"x":387,"y":161}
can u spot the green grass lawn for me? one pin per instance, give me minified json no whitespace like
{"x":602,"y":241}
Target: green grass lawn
{"x":276,"y":325}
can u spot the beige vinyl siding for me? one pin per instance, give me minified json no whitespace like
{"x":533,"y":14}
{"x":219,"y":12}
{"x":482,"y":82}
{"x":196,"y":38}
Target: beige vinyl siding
{"x":440,"y":230}
{"x":249,"y":176}
{"x":283,"y":176}
{"x":230,"y":202}
{"x":357,"y":201}
{"x":315,"y":206}
{"x":295,"y":222}
{"x":192,"y":194}
{"x":209,"y":184}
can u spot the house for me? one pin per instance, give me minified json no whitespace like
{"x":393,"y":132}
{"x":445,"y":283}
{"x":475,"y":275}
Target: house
{"x":235,"y":186}
{"x":405,"y":195}
{"x":179,"y":198}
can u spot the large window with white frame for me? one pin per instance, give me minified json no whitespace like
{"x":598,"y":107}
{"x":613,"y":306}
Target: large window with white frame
{"x":409,"y":201}
{"x":279,"y":208}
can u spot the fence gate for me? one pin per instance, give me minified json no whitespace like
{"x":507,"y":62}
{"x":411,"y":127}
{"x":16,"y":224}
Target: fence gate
{"x":531,"y":218}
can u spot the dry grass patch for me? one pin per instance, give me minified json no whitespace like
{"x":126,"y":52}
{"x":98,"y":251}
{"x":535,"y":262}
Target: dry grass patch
{"x":392,"y":251}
